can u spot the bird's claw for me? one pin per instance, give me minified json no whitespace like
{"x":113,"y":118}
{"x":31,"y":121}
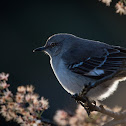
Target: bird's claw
{"x":84,"y":101}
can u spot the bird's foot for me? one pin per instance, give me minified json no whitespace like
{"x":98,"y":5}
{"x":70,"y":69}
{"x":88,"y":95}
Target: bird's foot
{"x":84,"y":101}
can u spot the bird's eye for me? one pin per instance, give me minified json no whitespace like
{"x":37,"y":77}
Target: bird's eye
{"x":53,"y":44}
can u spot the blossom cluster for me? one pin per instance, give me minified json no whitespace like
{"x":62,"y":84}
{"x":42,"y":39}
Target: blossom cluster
{"x":80,"y":118}
{"x":107,"y":2}
{"x":26,"y":107}
{"x":120,"y":6}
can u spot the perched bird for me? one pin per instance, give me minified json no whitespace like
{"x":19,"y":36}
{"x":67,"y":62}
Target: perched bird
{"x":76,"y":62}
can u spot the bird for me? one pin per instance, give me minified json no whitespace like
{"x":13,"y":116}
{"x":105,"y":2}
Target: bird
{"x":78,"y":62}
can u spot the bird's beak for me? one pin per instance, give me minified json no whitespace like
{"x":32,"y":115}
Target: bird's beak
{"x":43,"y":48}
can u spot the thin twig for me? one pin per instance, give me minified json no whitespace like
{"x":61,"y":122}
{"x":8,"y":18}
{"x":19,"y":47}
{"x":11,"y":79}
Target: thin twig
{"x":115,"y":122}
{"x":47,"y":121}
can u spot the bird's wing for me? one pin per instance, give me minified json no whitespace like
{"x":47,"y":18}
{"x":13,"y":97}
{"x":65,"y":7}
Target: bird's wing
{"x":99,"y":67}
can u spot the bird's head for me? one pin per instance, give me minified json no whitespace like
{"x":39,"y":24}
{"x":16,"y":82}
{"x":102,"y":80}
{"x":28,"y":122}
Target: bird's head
{"x":54,"y":44}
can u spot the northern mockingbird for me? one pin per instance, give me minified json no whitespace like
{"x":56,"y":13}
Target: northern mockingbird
{"x":76,"y":62}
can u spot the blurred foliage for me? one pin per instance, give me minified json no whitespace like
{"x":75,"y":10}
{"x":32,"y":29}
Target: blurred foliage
{"x":80,"y":117}
{"x":25,"y":107}
{"x":120,"y":6}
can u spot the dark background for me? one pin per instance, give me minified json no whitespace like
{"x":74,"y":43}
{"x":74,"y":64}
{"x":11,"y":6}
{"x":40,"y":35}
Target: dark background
{"x":25,"y":25}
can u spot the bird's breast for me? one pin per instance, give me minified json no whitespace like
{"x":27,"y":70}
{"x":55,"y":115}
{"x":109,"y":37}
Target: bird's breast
{"x":70,"y":81}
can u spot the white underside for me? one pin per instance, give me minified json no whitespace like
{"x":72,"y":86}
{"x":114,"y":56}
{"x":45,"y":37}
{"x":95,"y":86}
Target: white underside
{"x":109,"y":91}
{"x":71,"y":82}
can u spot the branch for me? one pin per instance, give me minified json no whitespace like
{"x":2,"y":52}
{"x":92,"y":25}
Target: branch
{"x":119,"y":117}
